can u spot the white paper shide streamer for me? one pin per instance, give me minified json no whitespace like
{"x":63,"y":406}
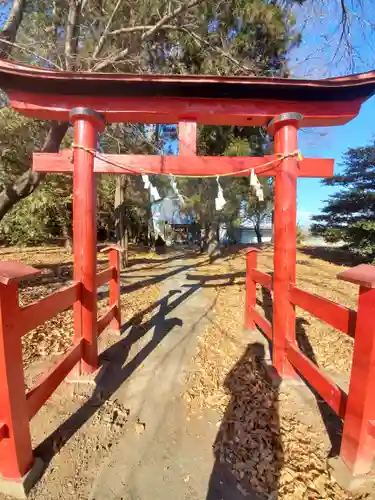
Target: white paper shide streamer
{"x":172,"y":180}
{"x":220,"y":200}
{"x":149,"y":186}
{"x":254,"y":182}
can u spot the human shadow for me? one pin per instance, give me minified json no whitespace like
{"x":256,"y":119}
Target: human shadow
{"x":247,"y":449}
{"x":120,"y":368}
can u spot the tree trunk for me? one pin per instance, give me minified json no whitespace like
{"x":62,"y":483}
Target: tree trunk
{"x":68,"y":240}
{"x":258,"y":233}
{"x":9,"y":32}
{"x":213,"y":243}
{"x":66,"y":231}
{"x":120,"y":218}
{"x":126,"y":247}
{"x":118,"y":209}
{"x":29,"y":181}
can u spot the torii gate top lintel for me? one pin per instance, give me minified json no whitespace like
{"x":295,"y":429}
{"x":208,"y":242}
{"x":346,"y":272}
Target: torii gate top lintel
{"x":211,"y":100}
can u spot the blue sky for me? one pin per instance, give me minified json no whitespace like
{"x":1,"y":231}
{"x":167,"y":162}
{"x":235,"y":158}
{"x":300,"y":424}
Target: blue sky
{"x":320,"y":56}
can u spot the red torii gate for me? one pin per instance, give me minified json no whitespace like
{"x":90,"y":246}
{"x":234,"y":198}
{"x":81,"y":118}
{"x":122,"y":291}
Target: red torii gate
{"x":89,"y":101}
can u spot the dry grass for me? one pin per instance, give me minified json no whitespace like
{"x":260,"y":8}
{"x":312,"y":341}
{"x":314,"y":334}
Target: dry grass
{"x":262,"y":437}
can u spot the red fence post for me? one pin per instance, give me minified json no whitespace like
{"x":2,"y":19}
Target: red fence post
{"x":251,"y":287}
{"x":285,"y":129}
{"x":87,"y":123}
{"x":358,"y":446}
{"x":114,"y":283}
{"x":16,"y":456}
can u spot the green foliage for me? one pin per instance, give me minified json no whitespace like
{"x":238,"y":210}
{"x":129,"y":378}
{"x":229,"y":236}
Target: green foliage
{"x":349,"y":214}
{"x":18,"y":138}
{"x":47,"y":214}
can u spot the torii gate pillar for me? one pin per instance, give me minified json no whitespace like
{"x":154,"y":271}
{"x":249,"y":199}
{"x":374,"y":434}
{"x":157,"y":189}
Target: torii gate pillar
{"x":87,"y":123}
{"x":285,"y":129}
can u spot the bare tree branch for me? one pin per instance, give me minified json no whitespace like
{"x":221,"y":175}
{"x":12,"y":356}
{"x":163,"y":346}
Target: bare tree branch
{"x":164,"y":20}
{"x":71,"y":36}
{"x":134,"y":29}
{"x":9,"y":32}
{"x":106,"y":30}
{"x":218,"y":50}
{"x":100,"y":66}
{"x":30,"y":52}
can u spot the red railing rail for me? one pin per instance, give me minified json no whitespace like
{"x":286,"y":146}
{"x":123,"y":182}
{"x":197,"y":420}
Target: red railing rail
{"x":340,"y":317}
{"x":252,"y":316}
{"x":357,"y":408}
{"x":17,"y":406}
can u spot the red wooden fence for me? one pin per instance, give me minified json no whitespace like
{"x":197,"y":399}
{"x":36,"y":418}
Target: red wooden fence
{"x":18,"y":406}
{"x":357,"y":408}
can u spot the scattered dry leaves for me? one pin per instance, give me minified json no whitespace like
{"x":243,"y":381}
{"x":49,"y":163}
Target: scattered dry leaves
{"x":55,"y":336}
{"x":266,"y":446}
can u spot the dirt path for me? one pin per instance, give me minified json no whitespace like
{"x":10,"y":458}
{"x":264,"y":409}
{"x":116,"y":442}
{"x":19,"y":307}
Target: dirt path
{"x":157,"y":458}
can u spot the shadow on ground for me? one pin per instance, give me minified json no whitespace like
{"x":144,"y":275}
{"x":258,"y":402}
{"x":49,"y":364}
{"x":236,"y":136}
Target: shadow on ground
{"x":332,"y":422}
{"x":121,"y":368}
{"x":339,"y":256}
{"x":248,"y":450}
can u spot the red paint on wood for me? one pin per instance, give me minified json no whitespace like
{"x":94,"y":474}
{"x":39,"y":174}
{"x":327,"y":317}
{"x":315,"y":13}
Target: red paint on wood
{"x":104,"y":276}
{"x":251,"y":288}
{"x":114,"y":288}
{"x":263,"y":323}
{"x":285,"y":237}
{"x":12,"y":271}
{"x":16,"y":455}
{"x":358,"y":446}
{"x":363,"y":275}
{"x":84,"y":238}
{"x":323,"y":384}
{"x":112,"y":246}
{"x":180,"y":165}
{"x":46,"y":386}
{"x":170,"y":110}
{"x":371,"y":430}
{"x":187,"y":138}
{"x":106,"y":319}
{"x":38,"y":312}
{"x":340,"y":317}
{"x":263,"y":279}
